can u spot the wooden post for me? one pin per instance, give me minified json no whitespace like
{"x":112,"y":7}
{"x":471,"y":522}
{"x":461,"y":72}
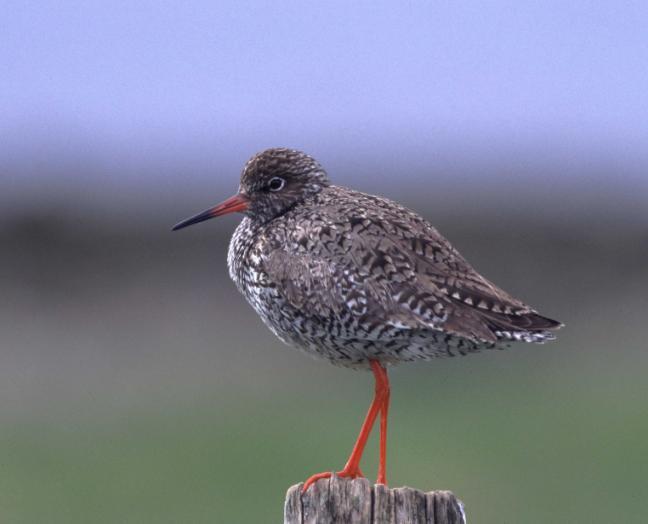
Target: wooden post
{"x":339,"y":501}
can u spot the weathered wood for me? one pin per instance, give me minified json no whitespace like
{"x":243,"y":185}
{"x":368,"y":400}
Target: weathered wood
{"x":344,"y":501}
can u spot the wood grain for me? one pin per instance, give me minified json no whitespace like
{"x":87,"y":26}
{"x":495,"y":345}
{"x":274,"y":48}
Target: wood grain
{"x":338,"y":501}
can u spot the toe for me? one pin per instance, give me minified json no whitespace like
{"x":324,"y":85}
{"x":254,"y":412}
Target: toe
{"x":314,"y":478}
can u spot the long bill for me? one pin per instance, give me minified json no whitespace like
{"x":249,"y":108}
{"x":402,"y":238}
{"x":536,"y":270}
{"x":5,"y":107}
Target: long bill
{"x":231,"y":205}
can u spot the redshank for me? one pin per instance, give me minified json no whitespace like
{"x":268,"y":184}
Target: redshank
{"x":359,"y":280}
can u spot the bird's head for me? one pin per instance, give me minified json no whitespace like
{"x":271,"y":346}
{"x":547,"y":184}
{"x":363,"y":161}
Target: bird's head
{"x":272,"y":182}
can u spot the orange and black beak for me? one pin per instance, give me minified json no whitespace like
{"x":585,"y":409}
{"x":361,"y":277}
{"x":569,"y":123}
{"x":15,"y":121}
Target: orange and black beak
{"x":231,"y":205}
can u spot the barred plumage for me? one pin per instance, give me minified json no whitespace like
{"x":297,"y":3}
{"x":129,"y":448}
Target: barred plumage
{"x":351,"y":277}
{"x":359,"y":280}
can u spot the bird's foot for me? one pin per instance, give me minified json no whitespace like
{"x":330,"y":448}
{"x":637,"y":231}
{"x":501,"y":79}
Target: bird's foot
{"x":352,"y":473}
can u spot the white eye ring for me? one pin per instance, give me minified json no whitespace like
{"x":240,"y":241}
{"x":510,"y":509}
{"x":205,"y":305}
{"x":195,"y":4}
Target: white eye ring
{"x":276,"y":184}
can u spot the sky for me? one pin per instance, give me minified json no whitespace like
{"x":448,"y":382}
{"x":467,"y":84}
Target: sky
{"x":142,"y":84}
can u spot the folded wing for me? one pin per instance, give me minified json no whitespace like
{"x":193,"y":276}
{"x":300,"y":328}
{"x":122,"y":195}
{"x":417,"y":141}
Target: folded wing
{"x":381,"y":269}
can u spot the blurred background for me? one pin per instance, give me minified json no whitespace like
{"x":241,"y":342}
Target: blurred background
{"x":135,"y":383}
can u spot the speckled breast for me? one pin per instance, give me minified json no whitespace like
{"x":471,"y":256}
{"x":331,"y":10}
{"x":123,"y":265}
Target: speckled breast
{"x":245,"y":259}
{"x":343,"y":338}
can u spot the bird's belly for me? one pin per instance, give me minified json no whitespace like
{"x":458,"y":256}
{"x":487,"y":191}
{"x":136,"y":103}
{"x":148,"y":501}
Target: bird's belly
{"x":345,"y":343}
{"x":341,"y":339}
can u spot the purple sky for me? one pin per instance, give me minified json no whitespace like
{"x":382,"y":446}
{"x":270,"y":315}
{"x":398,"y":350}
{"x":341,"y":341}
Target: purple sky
{"x":139,"y":85}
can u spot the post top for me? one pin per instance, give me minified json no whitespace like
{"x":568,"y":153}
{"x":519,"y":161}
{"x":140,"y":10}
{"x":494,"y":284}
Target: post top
{"x":338,"y":500}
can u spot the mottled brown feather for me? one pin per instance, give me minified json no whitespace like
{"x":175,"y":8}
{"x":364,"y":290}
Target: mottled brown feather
{"x":352,"y":277}
{"x":392,"y":253}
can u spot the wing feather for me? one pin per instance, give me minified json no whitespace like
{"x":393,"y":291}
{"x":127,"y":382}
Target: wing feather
{"x":389,"y":264}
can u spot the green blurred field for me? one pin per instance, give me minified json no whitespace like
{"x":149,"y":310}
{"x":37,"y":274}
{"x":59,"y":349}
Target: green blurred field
{"x":488,"y":428}
{"x":136,"y":386}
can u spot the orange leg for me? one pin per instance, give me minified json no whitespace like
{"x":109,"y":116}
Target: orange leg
{"x":382,"y":464}
{"x":379,"y":404}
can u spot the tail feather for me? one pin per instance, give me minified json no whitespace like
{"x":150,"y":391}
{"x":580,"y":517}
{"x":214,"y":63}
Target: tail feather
{"x":529,"y":327}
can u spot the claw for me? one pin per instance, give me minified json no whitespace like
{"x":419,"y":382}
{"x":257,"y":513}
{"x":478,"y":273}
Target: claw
{"x":345,"y":473}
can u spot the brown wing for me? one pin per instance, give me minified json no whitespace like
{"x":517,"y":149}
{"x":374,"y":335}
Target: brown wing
{"x":386,"y":263}
{"x":474,"y":301}
{"x":306,"y":281}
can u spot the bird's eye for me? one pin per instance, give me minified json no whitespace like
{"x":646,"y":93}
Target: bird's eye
{"x":276,"y":184}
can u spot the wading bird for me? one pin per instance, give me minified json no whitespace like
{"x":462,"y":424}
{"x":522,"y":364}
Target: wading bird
{"x":359,"y":280}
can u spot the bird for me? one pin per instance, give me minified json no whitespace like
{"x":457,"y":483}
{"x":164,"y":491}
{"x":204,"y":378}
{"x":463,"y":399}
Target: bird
{"x":359,"y":280}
